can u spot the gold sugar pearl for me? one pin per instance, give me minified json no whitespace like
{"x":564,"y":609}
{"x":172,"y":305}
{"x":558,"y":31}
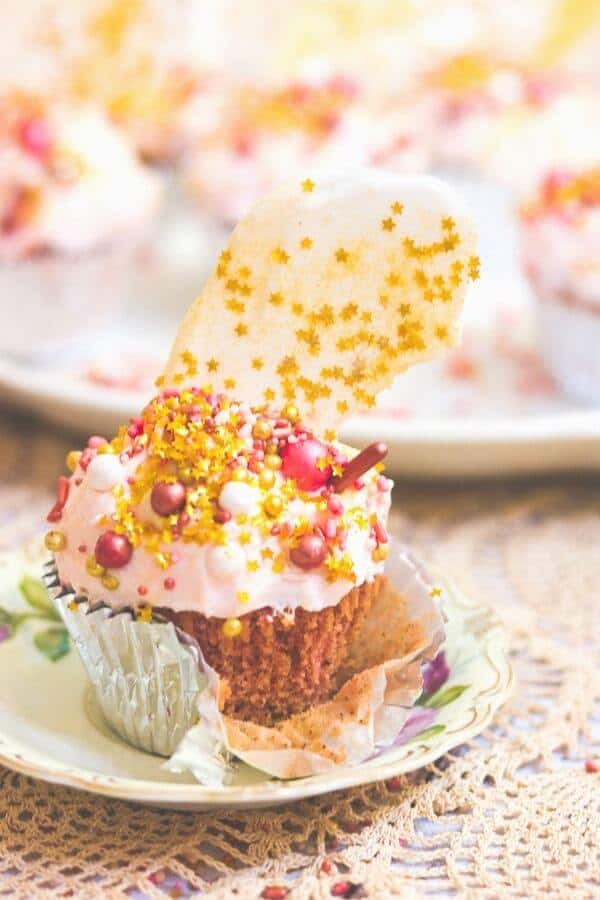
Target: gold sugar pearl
{"x":72,"y":460}
{"x":290,"y":412}
{"x":273,"y":461}
{"x":266,"y":479}
{"x":232,"y":628}
{"x":94,"y":568}
{"x":110,"y":582}
{"x":55,"y":541}
{"x":239,"y":474}
{"x":380,"y":553}
{"x":262,"y":430}
{"x":273,"y":505}
{"x":186,"y":475}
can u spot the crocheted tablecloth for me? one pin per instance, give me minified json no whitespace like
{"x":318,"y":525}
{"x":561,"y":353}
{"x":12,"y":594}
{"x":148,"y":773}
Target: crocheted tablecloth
{"x":514,"y":813}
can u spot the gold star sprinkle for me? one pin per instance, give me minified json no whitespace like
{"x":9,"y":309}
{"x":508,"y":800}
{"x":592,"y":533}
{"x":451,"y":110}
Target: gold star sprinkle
{"x":342,"y":407}
{"x":243,"y":597}
{"x":348,"y":311}
{"x":397,"y":208}
{"x":241,"y":329}
{"x":212,"y":365}
{"x":229,"y":383}
{"x":280,"y":256}
{"x":257,"y":363}
{"x":252,"y":565}
{"x":276,"y":299}
{"x":341,"y":255}
{"x":388,"y":224}
{"x":297,"y":309}
{"x":308,"y":186}
{"x":269,"y":395}
{"x":306,"y":243}
{"x":441,"y":332}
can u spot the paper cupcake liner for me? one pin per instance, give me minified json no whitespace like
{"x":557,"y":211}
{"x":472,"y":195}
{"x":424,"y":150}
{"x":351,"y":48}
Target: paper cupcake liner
{"x":145,"y":678}
{"x":569,"y":339}
{"x":157,"y":691}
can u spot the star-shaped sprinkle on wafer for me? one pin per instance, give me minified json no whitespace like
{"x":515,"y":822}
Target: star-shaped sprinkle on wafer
{"x":326,"y":331}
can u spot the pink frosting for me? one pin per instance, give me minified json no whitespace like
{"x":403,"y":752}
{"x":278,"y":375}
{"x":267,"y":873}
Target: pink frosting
{"x":208,"y":578}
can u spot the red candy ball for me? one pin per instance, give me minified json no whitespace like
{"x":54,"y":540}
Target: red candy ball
{"x":167,"y":498}
{"x":310,"y":552}
{"x":300,"y":463}
{"x":113,"y":551}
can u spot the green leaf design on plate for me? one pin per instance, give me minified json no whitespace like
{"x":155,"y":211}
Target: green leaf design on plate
{"x":52,"y":642}
{"x":445,"y":696}
{"x":428,"y":733}
{"x":6,"y":617}
{"x":37,"y":597}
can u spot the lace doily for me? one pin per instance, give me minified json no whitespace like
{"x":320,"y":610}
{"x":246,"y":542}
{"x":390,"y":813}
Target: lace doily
{"x":513,"y":813}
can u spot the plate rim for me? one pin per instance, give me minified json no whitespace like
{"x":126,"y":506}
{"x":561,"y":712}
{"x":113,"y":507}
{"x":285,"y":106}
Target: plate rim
{"x":572,"y":425}
{"x":277,"y":791}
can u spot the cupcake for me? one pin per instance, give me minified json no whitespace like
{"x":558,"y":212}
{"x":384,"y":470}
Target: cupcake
{"x":265,"y":135}
{"x":74,"y":202}
{"x":229,"y":514}
{"x":560,"y":248}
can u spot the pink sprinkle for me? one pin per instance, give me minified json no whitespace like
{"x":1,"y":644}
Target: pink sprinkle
{"x":592,"y":766}
{"x":275,"y":529}
{"x":335,"y":505}
{"x":292,"y":439}
{"x":170,"y":392}
{"x":358,"y":484}
{"x":142,"y":590}
{"x":342,"y":537}
{"x":137,"y":450}
{"x":382,"y":484}
{"x":96,"y":441}
{"x":130,"y":480}
{"x":319,"y":531}
{"x":184,"y":519}
{"x":82,"y":548}
{"x":330,"y":529}
{"x":380,"y":533}
{"x":35,"y":137}
{"x":86,"y":458}
{"x":169,"y":583}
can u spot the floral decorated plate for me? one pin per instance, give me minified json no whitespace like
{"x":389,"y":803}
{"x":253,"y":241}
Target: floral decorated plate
{"x":51,"y":727}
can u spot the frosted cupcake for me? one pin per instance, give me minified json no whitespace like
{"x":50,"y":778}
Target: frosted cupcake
{"x":560,"y":235}
{"x":74,"y":202}
{"x":229,"y":510}
{"x":264,"y":136}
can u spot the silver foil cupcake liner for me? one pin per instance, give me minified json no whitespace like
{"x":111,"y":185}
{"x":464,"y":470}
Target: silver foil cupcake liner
{"x":145,"y":675}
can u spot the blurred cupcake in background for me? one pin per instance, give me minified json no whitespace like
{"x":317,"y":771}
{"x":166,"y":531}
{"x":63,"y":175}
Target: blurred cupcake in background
{"x":560,"y":229}
{"x":74,"y":203}
{"x":264,"y":135}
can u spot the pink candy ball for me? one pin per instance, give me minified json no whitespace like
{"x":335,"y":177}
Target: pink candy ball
{"x":300,"y":463}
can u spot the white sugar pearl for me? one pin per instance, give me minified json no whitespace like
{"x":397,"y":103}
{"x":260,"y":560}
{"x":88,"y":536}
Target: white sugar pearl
{"x":238,"y":497}
{"x":104,"y":471}
{"x":224,"y":561}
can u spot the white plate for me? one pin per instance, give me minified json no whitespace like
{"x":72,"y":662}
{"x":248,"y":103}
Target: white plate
{"x":489,"y":409}
{"x":50,"y":727}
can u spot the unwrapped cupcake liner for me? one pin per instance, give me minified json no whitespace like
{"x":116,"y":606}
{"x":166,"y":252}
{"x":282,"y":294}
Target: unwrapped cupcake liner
{"x":158,"y":692}
{"x":569,"y":338}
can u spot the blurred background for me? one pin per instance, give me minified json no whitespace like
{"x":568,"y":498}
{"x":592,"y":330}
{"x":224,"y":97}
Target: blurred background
{"x":134,"y":134}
